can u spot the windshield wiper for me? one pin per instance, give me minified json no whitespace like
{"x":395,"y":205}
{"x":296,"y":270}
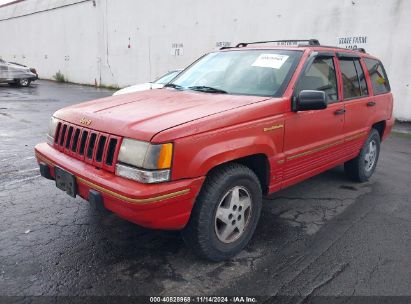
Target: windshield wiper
{"x":207,"y":89}
{"x":174,"y":86}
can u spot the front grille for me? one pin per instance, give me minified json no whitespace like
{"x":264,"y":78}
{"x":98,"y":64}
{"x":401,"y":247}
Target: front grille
{"x":93,"y":147}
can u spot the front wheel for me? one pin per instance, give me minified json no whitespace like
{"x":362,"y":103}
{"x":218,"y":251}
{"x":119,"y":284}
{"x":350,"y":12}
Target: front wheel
{"x":226,"y":213}
{"x":362,"y":167}
{"x":23,"y":82}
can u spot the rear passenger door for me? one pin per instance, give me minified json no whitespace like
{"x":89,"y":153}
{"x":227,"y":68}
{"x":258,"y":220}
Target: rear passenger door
{"x":380,"y":90}
{"x":359,"y":106}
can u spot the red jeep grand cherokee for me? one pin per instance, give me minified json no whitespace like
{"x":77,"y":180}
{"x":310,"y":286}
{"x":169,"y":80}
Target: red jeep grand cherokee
{"x":237,"y":124}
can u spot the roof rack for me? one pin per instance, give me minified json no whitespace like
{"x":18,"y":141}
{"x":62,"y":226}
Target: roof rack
{"x":308,"y":42}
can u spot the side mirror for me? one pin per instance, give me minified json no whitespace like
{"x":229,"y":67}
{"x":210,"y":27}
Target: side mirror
{"x":311,"y":100}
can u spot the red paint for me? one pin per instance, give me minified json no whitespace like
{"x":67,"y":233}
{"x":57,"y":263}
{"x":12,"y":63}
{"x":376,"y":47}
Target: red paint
{"x":210,"y":129}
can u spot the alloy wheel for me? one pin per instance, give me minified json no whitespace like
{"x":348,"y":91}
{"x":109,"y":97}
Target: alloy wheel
{"x":24,"y":82}
{"x":233,"y":214}
{"x":370,"y":156}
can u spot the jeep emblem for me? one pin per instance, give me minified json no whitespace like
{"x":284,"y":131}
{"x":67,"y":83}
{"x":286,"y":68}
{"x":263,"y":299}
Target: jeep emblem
{"x":85,"y":121}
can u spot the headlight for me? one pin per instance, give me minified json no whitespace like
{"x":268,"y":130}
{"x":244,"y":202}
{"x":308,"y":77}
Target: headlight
{"x":142,"y":176}
{"x":144,"y":162}
{"x":52,"y":130}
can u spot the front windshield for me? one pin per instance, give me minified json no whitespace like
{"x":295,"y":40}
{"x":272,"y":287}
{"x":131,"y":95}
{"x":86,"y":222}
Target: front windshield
{"x":166,"y":78}
{"x":244,"y":72}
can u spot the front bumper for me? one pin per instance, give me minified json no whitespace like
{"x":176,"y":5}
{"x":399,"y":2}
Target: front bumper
{"x":159,"y":206}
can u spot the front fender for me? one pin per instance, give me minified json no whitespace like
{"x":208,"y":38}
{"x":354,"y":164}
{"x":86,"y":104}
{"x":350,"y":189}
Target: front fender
{"x":197,"y":155}
{"x":227,"y":151}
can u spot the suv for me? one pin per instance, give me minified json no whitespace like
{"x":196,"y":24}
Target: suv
{"x":239,"y":123}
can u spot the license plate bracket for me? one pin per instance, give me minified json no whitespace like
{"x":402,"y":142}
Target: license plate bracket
{"x":65,"y":181}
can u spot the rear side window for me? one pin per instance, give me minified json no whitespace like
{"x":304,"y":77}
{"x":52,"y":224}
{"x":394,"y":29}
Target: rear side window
{"x":378,"y":76}
{"x":361,"y":78}
{"x":353,"y":79}
{"x":320,"y":76}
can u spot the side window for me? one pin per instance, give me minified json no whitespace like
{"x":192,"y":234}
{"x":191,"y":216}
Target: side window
{"x":378,"y":76}
{"x":361,"y":78}
{"x":353,"y":86}
{"x":320,"y":76}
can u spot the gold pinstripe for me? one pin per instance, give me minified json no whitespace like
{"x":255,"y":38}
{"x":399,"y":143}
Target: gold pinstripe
{"x":186,"y":191}
{"x":326,"y":146}
{"x":118,"y":195}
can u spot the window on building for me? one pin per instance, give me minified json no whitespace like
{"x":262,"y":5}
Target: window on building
{"x":378,"y":76}
{"x":320,"y":76}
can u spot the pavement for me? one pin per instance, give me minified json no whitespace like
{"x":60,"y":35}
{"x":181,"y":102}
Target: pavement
{"x":403,"y":127}
{"x":326,"y":236}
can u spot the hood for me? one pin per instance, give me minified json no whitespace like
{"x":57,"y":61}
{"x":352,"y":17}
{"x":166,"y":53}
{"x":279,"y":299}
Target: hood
{"x":139,"y":88}
{"x":144,"y":114}
{"x":18,"y":67}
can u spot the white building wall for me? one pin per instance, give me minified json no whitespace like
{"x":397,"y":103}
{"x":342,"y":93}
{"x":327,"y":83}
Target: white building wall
{"x":88,"y":41}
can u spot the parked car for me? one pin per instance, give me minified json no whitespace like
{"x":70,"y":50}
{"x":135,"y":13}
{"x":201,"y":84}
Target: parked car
{"x":238,"y":124}
{"x":16,"y":74}
{"x":156,"y":84}
{"x":33,"y":70}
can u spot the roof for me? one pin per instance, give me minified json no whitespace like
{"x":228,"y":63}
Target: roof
{"x":20,"y":8}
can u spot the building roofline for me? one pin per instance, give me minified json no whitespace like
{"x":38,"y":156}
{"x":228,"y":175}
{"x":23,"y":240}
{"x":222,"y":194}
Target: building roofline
{"x":11,"y":3}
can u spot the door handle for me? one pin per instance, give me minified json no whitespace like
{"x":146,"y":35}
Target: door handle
{"x":371,"y":103}
{"x":339,"y":112}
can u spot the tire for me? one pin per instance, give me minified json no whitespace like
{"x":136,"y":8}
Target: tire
{"x":24,"y":82}
{"x":205,"y":233}
{"x":360,"y":169}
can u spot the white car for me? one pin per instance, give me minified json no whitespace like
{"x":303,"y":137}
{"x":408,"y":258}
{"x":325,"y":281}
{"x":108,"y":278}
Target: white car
{"x":16,"y":74}
{"x":156,"y":84}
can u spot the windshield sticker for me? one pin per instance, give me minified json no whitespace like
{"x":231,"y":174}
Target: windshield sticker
{"x":274,"y":61}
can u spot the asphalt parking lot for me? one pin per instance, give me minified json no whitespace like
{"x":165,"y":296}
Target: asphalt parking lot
{"x":326,"y":236}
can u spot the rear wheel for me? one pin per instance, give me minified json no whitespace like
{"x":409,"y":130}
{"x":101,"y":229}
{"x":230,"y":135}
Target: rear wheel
{"x":363,"y":166}
{"x":226,"y":213}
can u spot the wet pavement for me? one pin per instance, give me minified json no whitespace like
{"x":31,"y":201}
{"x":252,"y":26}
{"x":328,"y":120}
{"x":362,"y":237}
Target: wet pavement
{"x":325,"y":236}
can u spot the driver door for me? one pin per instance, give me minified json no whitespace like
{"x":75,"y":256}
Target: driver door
{"x":312,"y":139}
